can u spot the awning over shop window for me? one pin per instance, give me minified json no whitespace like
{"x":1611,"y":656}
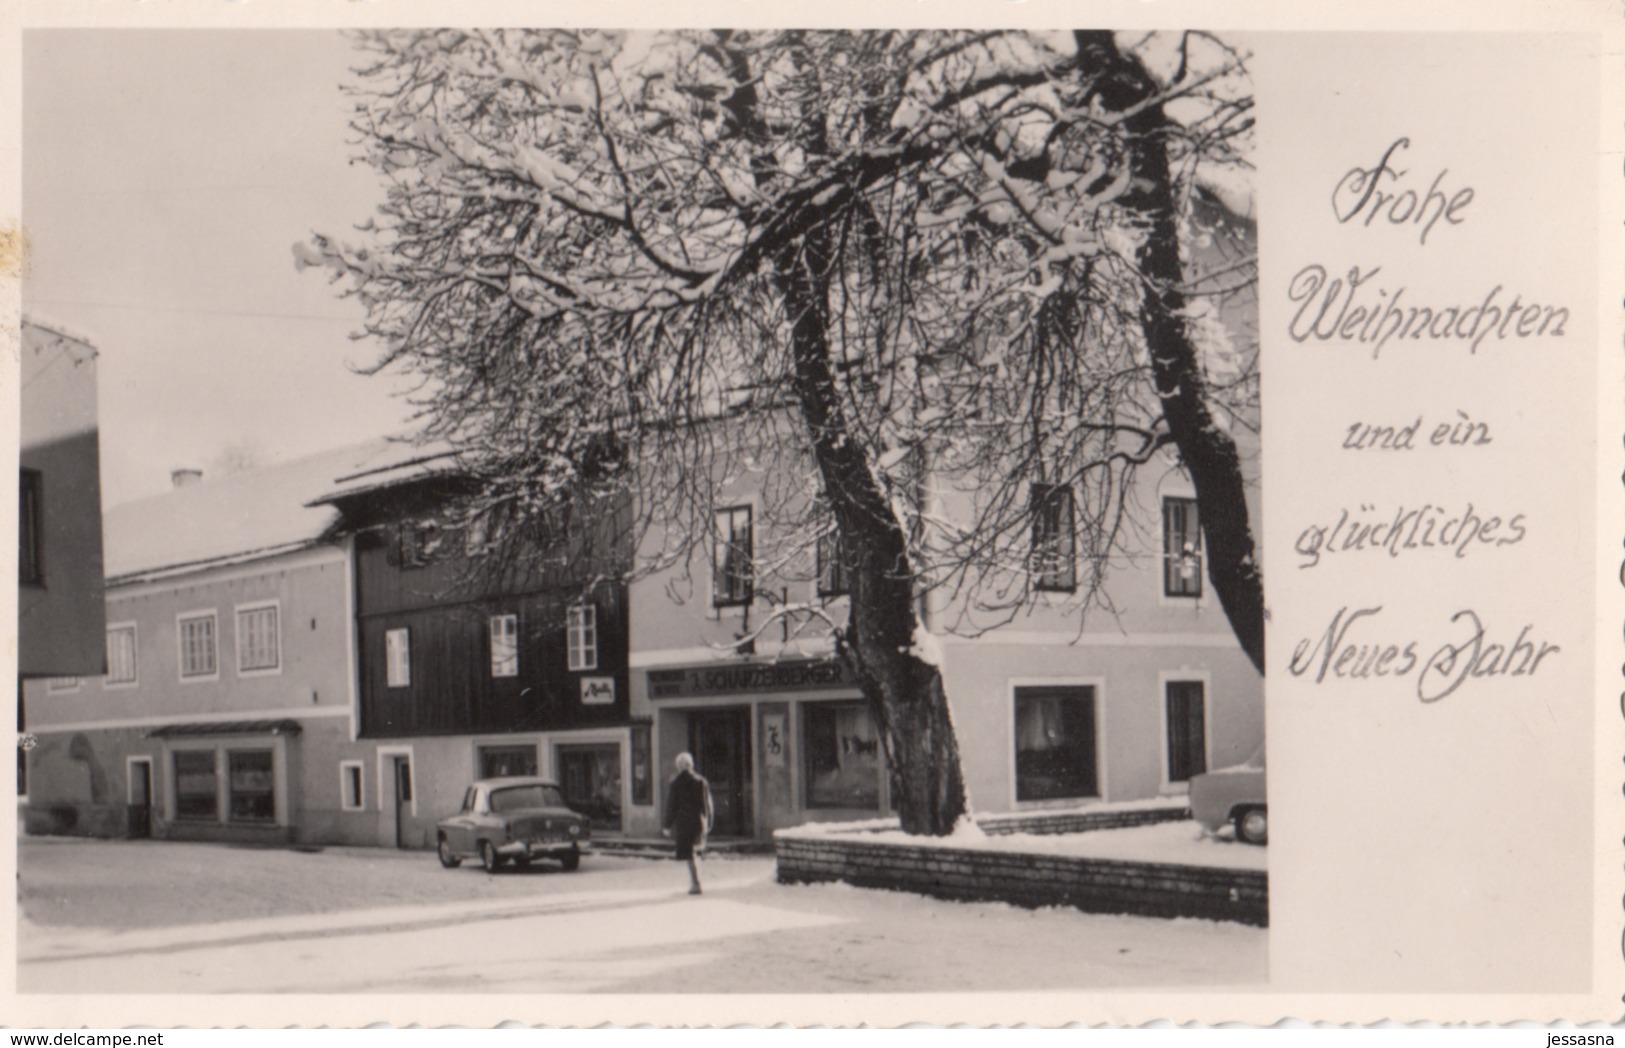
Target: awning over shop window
{"x":254,"y":727}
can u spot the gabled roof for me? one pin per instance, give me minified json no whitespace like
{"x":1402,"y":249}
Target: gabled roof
{"x":242,"y":517}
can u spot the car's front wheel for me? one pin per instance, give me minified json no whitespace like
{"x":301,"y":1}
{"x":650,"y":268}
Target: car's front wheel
{"x":1252,"y":826}
{"x":448,"y":859}
{"x":571,"y":861}
{"x":488,"y":857}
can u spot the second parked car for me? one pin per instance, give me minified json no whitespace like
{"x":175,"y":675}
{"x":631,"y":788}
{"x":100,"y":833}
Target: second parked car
{"x":1233,"y":797}
{"x":517,"y":818}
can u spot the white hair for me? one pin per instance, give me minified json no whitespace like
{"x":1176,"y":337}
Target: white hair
{"x":685,"y":762}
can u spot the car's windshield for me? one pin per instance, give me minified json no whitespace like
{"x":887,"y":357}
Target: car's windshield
{"x":515,"y":798}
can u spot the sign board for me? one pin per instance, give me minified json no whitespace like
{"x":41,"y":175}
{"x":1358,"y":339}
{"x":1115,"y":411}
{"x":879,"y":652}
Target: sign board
{"x":749,"y":679}
{"x":597,"y":691}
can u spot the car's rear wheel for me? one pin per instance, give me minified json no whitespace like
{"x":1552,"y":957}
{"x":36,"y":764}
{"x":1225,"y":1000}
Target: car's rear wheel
{"x":447,"y":858}
{"x":571,"y":861}
{"x":1252,"y":826}
{"x":488,"y":857}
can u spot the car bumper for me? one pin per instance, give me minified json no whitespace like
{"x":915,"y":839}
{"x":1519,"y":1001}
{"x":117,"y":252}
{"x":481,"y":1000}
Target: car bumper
{"x":533,"y":849}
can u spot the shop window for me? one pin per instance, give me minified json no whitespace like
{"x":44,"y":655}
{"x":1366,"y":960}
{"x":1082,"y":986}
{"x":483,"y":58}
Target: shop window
{"x":834,"y":578}
{"x":497,"y":761}
{"x":733,"y":574}
{"x":1187,"y":729}
{"x":1055,"y":743}
{"x":591,"y":777}
{"x":505,"y":645}
{"x":582,"y":637}
{"x":252,"y":788}
{"x":259,"y":642}
{"x":1181,"y":549}
{"x":30,"y":530}
{"x":1054,"y":553}
{"x":121,"y":662}
{"x":842,"y":756}
{"x":197,"y":641}
{"x":398,"y":658}
{"x":352,"y":788}
{"x":197,"y":792}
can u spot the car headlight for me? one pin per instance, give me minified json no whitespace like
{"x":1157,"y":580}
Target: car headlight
{"x":575,"y":829}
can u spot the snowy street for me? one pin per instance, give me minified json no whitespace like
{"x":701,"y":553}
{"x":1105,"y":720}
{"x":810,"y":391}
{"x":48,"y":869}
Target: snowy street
{"x":156,"y":917}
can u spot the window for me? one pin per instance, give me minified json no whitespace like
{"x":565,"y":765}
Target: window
{"x":398,"y":658}
{"x":1054,"y":555}
{"x":843,"y":756}
{"x":121,"y":667}
{"x":352,"y":796}
{"x":1187,"y":729}
{"x":642,"y":780}
{"x":1181,"y":549}
{"x":497,"y":761}
{"x":59,"y":685}
{"x":259,"y":645}
{"x":253,"y":794}
{"x":732,"y":581}
{"x":582,"y":637}
{"x":416,"y":544}
{"x":834,"y":578}
{"x":591,"y":777}
{"x":197,"y":793}
{"x":30,"y":533}
{"x":1055,"y":742}
{"x":504,"y":645}
{"x":197,"y":646}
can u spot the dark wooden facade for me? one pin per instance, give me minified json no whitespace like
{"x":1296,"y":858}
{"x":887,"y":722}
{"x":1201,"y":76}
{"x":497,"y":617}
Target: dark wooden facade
{"x":423,"y":580}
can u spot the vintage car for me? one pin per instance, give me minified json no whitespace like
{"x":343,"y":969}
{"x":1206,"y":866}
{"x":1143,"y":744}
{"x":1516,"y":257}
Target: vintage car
{"x":1233,"y":797}
{"x":519,"y":818}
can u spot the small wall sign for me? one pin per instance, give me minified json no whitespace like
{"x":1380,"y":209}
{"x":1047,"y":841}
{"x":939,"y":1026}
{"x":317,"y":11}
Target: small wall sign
{"x":597,"y":691}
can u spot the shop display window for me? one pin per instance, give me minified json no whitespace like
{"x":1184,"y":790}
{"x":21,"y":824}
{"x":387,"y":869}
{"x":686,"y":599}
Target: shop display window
{"x":842,"y":756}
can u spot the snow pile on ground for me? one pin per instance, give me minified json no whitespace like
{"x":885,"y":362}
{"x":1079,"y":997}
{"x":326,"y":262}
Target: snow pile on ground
{"x":1182,"y":843}
{"x":820,"y":829}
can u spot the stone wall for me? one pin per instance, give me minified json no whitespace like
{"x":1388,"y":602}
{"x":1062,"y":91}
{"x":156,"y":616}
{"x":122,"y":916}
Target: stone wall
{"x":1027,"y":879}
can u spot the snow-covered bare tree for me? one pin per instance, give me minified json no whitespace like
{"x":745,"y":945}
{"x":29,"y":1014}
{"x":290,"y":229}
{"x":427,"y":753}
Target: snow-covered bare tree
{"x":942,"y":281}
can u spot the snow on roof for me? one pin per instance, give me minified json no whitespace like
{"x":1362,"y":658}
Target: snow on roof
{"x":33,"y":320}
{"x":426,"y":461}
{"x":239,"y":517}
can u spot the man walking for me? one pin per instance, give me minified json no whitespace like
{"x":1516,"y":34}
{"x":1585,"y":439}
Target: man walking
{"x":688,"y":816}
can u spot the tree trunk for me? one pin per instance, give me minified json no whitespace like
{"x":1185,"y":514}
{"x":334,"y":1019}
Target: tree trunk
{"x":904,"y":691}
{"x":1208,"y":452}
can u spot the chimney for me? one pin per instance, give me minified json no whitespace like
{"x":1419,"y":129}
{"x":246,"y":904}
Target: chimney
{"x":181,"y":478}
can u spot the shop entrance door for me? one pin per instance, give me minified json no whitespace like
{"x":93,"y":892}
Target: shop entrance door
{"x":720,"y":742}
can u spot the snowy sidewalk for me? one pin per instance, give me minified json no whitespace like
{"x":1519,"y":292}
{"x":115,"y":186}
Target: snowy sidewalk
{"x":40,"y":943}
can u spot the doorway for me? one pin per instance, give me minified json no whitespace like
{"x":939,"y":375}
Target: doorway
{"x":402,"y":776}
{"x":139,"y":825}
{"x":720,"y":743}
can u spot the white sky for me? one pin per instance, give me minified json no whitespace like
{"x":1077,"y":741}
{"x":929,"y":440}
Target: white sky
{"x":167,"y":174}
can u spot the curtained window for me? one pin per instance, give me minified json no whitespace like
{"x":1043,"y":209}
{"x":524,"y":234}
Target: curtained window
{"x":1055,"y":742}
